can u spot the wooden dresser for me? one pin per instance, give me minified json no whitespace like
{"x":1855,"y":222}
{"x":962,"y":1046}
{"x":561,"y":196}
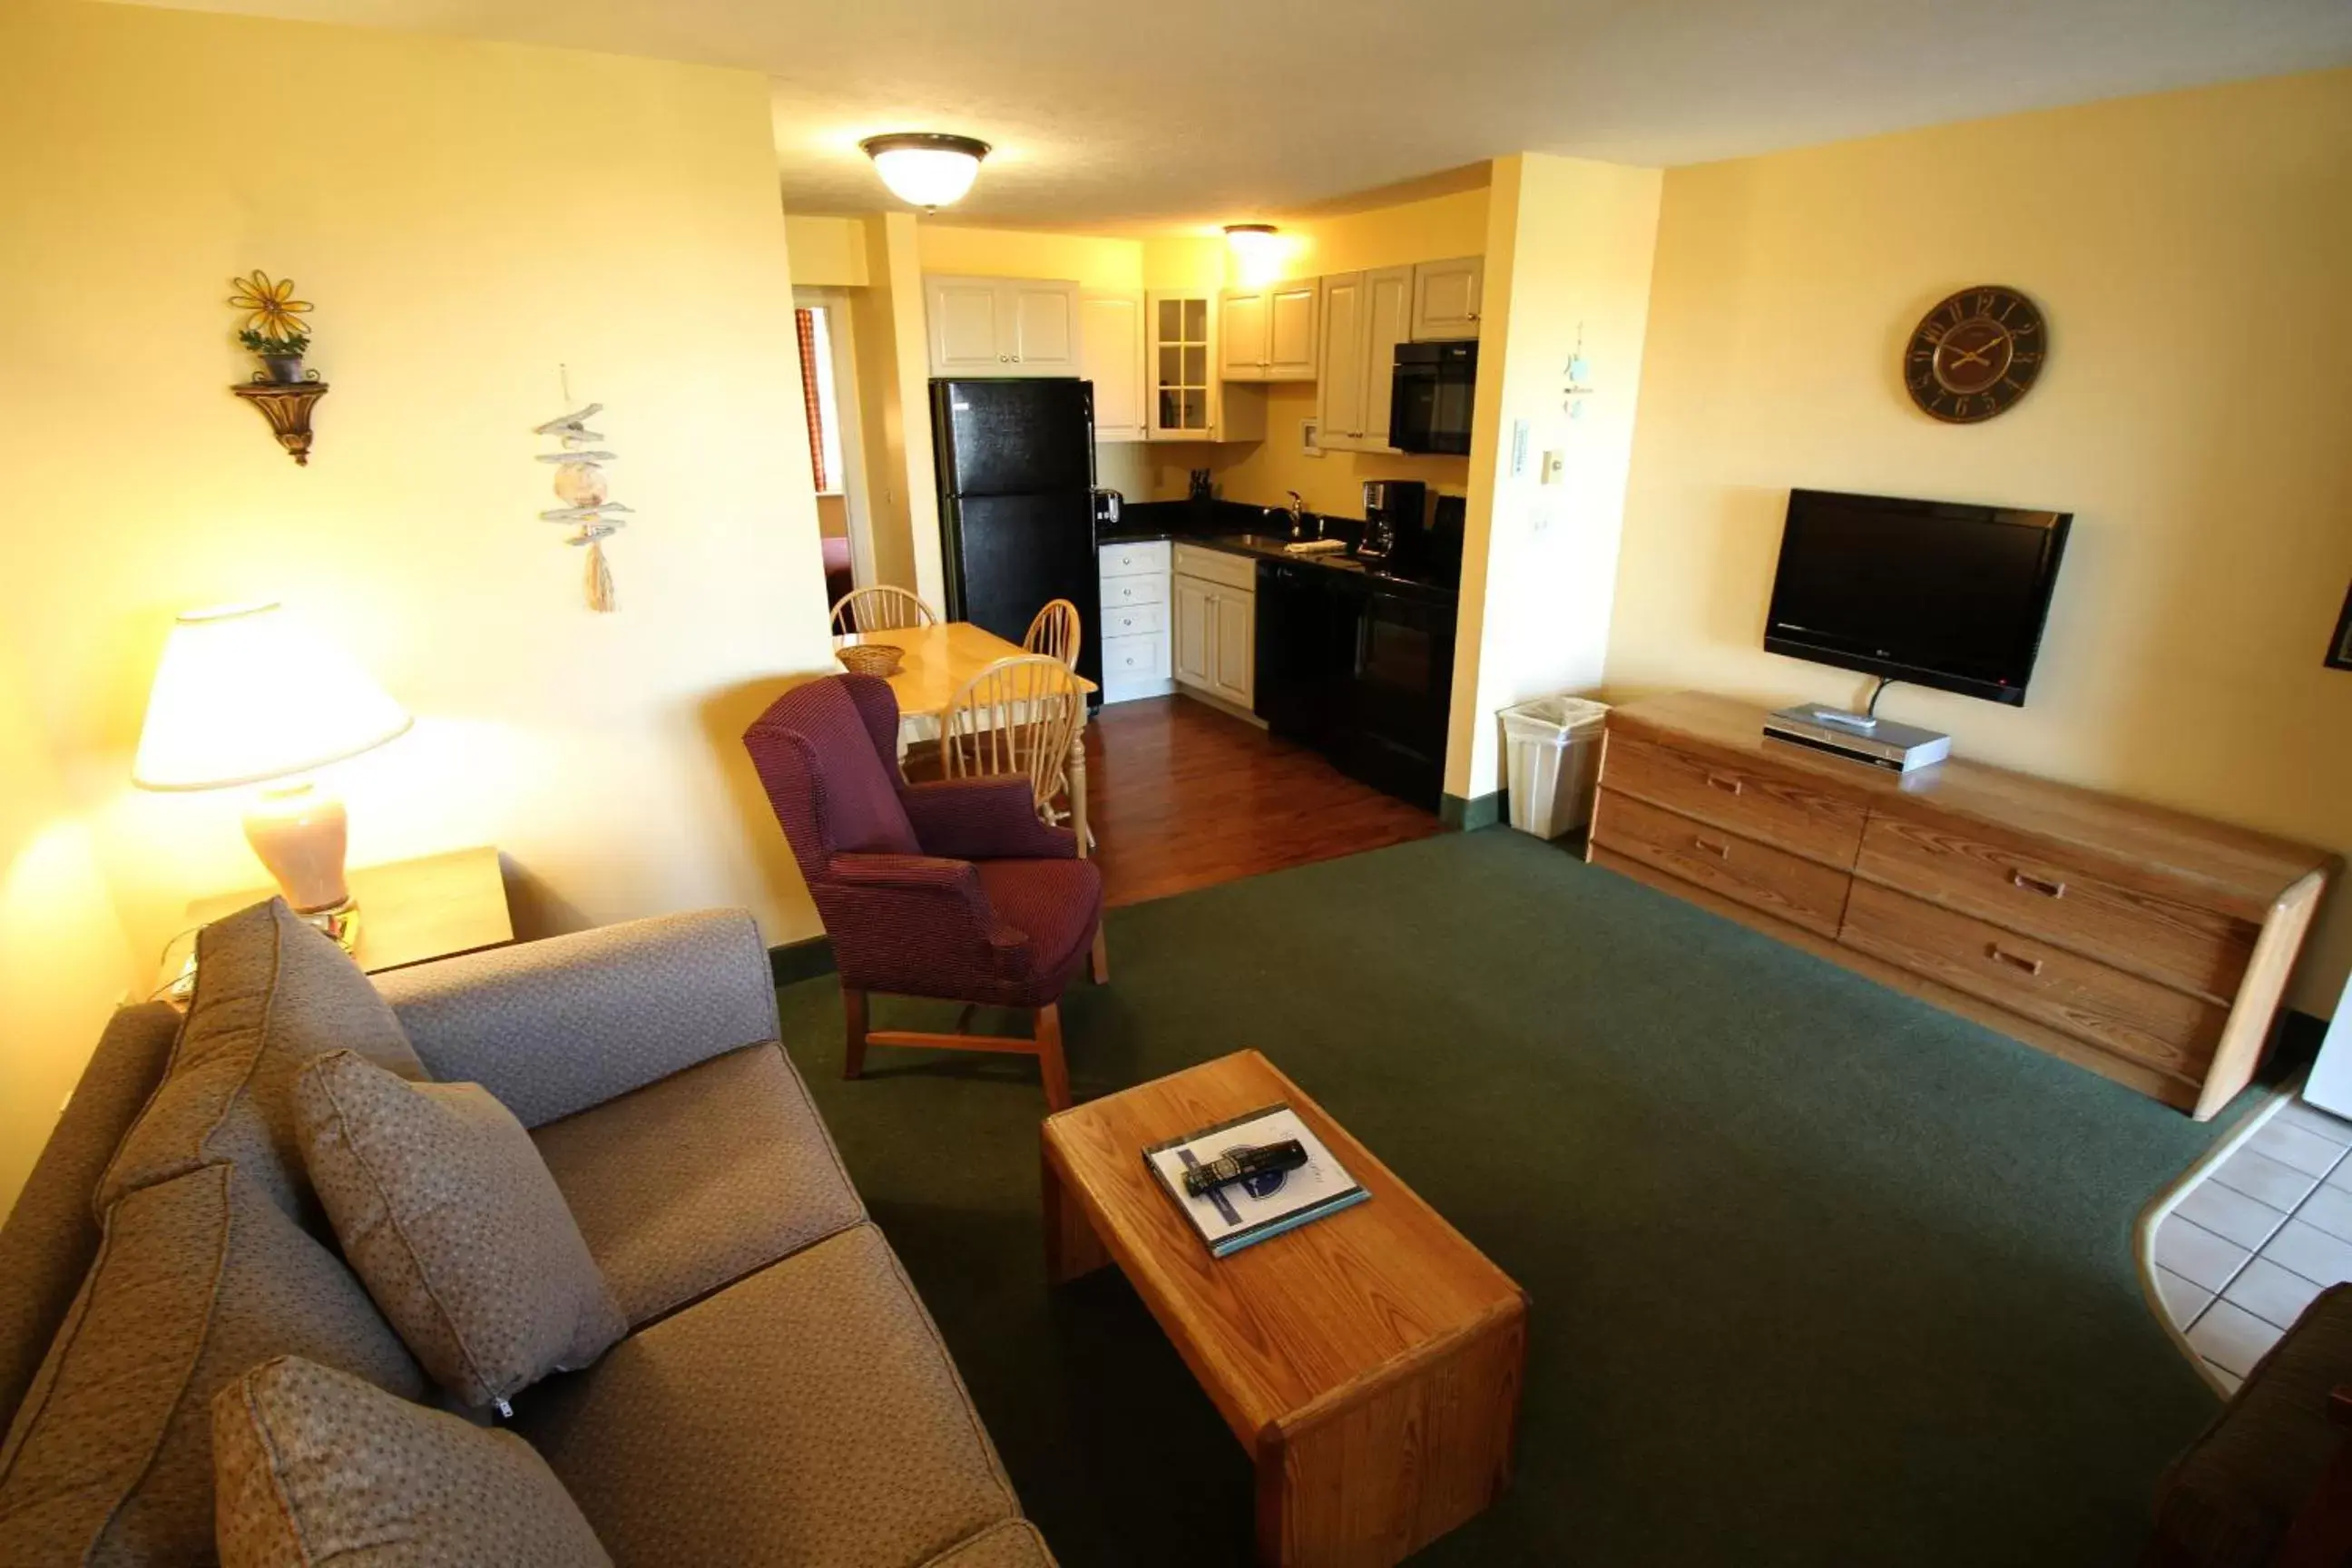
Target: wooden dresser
{"x":2143,"y":943}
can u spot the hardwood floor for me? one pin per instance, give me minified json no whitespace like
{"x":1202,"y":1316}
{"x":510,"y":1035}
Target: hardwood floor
{"x":1183,"y":797}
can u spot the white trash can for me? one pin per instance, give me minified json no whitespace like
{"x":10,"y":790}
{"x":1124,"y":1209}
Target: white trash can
{"x":1555,"y":752}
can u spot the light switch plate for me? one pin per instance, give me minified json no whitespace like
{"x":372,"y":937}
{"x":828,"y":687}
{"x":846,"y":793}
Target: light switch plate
{"x":1518,"y":448}
{"x":1555,"y":464}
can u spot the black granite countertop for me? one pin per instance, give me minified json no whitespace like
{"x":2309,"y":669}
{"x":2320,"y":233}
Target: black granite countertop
{"x":1239,"y":529}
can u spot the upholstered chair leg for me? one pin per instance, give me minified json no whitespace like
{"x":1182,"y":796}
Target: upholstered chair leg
{"x":853,"y":1053}
{"x":1098,"y":962}
{"x":1050,"y":1063}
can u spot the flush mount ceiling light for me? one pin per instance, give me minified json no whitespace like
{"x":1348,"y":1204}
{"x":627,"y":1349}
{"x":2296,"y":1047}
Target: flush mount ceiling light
{"x":1258,"y":251}
{"x":925,"y":167}
{"x":1250,"y":239}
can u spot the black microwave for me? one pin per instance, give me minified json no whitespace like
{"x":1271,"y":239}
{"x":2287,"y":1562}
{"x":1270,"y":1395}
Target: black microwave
{"x":1429,"y":410}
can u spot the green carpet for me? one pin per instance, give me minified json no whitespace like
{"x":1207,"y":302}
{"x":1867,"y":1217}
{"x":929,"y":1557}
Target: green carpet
{"x":1820,"y":1275}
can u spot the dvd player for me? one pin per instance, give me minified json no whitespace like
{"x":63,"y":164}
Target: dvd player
{"x":1881,"y":742}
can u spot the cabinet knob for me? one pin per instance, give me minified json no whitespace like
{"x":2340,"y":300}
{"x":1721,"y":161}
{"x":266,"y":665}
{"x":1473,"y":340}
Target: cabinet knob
{"x":1016,"y":358}
{"x":1004,"y":359}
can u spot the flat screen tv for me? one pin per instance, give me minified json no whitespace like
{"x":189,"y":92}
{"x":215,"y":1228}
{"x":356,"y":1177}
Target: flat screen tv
{"x":1931,"y":592}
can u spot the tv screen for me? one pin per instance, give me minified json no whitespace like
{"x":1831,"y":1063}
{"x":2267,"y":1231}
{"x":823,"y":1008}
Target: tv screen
{"x":1931,"y":592}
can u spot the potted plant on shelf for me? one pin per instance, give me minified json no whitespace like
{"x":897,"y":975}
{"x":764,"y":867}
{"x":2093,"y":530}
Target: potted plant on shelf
{"x":272,"y":331}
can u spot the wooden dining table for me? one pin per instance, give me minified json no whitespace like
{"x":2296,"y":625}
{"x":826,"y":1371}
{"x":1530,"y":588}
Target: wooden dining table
{"x":940,"y":658}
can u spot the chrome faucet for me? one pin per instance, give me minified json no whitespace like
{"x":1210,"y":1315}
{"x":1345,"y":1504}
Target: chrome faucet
{"x":1298,"y":515}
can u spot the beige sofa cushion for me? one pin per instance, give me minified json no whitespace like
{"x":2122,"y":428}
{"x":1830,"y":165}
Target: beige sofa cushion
{"x":808,"y":1414}
{"x":51,"y":1234}
{"x":700,"y":1178}
{"x":314,"y":1466}
{"x":272,"y":992}
{"x":1014,"y":1543}
{"x":448,"y":1215}
{"x":197,"y":1278}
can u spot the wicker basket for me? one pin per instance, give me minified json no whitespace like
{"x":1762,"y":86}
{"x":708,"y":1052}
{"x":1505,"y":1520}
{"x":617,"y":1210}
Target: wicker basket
{"x":871,"y":659}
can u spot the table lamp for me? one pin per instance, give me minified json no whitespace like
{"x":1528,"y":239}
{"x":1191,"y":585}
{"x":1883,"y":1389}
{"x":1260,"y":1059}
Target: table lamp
{"x":246,"y":695}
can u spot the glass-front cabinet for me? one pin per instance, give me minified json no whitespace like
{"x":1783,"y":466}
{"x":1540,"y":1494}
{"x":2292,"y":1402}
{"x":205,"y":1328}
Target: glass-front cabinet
{"x":1183,"y":354}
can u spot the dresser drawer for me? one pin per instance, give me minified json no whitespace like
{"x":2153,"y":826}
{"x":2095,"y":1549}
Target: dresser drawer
{"x":1136,"y":560}
{"x":1780,"y":809}
{"x":1120,"y":591}
{"x":1129,"y":660}
{"x":1772,"y":880}
{"x":2137,"y":1018}
{"x":1218,"y":566}
{"x":2198,"y":950}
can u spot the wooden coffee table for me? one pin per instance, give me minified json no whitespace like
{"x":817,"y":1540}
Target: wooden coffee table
{"x":1370,"y":1362}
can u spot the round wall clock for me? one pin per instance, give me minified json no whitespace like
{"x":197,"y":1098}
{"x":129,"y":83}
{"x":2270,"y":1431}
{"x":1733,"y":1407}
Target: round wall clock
{"x":1975,"y":354}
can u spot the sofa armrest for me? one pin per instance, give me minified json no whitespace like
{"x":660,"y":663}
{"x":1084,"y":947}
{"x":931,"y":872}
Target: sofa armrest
{"x":553,"y":1027}
{"x":983,"y":819}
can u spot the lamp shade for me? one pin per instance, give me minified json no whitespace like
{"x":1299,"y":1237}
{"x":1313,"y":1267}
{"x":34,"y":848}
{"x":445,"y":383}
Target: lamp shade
{"x":926,"y":168}
{"x":247,"y":693}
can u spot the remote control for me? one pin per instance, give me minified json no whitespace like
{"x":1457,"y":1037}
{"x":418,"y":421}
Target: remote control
{"x":1242,"y":1165}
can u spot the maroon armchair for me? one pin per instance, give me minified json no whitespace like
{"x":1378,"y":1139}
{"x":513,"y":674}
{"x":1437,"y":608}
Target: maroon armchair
{"x":952,"y":890}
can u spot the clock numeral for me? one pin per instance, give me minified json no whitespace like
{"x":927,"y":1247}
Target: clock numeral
{"x":1986,"y":302}
{"x":1933,"y":331}
{"x":2011,"y":383}
{"x":2026,"y":328}
{"x":1960,"y":405}
{"x":1959,"y":312}
{"x":2025,"y":356}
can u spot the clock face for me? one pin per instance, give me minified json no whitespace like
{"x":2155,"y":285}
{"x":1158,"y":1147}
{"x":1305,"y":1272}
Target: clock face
{"x":1975,"y":354}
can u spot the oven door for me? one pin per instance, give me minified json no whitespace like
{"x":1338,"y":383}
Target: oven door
{"x":1403,"y":684}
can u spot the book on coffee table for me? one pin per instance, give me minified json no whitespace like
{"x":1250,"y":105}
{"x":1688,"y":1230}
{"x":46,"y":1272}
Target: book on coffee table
{"x":1240,"y":1213}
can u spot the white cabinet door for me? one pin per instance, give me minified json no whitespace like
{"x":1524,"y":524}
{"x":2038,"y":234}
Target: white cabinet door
{"x":1178,"y":367}
{"x":1446,"y":298}
{"x":1038,"y":326}
{"x":1196,"y":632}
{"x":1388,"y":321}
{"x":963,"y":316}
{"x":1290,"y":312}
{"x":1233,"y":670}
{"x":1340,"y":389}
{"x":1242,"y":332}
{"x":1110,"y":337}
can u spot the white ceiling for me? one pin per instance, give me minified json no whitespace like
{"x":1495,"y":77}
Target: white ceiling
{"x":1113,"y":115}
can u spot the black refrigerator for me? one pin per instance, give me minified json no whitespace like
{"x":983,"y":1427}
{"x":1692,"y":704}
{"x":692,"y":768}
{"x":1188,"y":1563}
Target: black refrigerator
{"x":1016,"y":466}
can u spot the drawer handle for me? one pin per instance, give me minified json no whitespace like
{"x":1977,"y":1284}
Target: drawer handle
{"x":2014,"y":960}
{"x":1727,"y":785}
{"x":2036,"y":885}
{"x":1720,"y":851}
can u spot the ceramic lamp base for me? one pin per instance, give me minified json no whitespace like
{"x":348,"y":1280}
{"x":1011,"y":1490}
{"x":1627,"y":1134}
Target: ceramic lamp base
{"x":298,"y":832}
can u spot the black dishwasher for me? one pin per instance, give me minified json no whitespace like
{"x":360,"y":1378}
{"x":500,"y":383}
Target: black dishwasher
{"x":1308,"y":621}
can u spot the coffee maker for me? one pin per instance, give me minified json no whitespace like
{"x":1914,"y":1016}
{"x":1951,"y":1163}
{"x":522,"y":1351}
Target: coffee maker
{"x":1393,"y":510}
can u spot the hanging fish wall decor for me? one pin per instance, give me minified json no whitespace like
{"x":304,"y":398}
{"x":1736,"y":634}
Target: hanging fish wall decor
{"x":579,"y":486}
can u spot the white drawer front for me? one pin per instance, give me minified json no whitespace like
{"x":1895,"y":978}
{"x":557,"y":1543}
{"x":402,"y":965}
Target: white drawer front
{"x":1117,"y":592}
{"x":1133,"y":620}
{"x":1134,"y":560}
{"x":1135,"y":659}
{"x":1217,"y":566}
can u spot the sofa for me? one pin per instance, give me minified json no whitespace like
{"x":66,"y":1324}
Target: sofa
{"x":781,"y":1396}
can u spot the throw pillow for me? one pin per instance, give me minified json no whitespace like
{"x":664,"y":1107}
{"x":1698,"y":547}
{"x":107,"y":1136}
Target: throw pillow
{"x":313,"y":1466}
{"x":272,"y":992}
{"x":110,"y":1458}
{"x":446,"y":1210}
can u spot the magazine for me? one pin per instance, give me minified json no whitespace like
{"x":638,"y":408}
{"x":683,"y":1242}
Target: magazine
{"x":1234,"y":1216}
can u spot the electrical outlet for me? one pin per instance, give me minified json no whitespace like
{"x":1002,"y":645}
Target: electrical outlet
{"x":1555,"y":464}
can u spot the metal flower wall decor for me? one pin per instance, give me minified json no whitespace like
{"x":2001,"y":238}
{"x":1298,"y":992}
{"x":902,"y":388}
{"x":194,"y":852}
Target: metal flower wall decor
{"x":273,"y":331}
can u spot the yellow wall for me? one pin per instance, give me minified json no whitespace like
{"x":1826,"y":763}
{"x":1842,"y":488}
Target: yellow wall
{"x":1569,"y":252}
{"x":1096,"y":262}
{"x":64,"y":961}
{"x":2188,"y":251}
{"x":827,"y":252}
{"x":467,"y":217}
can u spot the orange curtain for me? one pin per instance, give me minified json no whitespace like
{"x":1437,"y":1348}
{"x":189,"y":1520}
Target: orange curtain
{"x":805,"y":321}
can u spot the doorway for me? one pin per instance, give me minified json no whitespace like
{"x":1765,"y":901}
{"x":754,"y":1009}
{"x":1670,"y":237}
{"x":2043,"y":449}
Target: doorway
{"x":836,"y":446}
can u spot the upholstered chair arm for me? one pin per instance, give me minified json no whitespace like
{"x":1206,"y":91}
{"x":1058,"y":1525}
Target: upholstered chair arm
{"x":902,"y":923}
{"x":983,"y":819}
{"x":555,"y":1027}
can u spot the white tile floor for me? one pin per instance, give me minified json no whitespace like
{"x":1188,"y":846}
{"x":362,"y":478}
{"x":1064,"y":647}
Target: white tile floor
{"x":2244,"y":1250}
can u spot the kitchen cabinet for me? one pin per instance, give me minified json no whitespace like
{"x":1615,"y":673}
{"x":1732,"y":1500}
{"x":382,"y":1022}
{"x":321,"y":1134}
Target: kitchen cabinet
{"x":1215,"y":630}
{"x":1001,"y":326}
{"x":1446,"y":298}
{"x":1365,"y":316}
{"x":1110,"y":355}
{"x":1183,"y":391}
{"x":1269,"y":333}
{"x":1134,"y":626}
